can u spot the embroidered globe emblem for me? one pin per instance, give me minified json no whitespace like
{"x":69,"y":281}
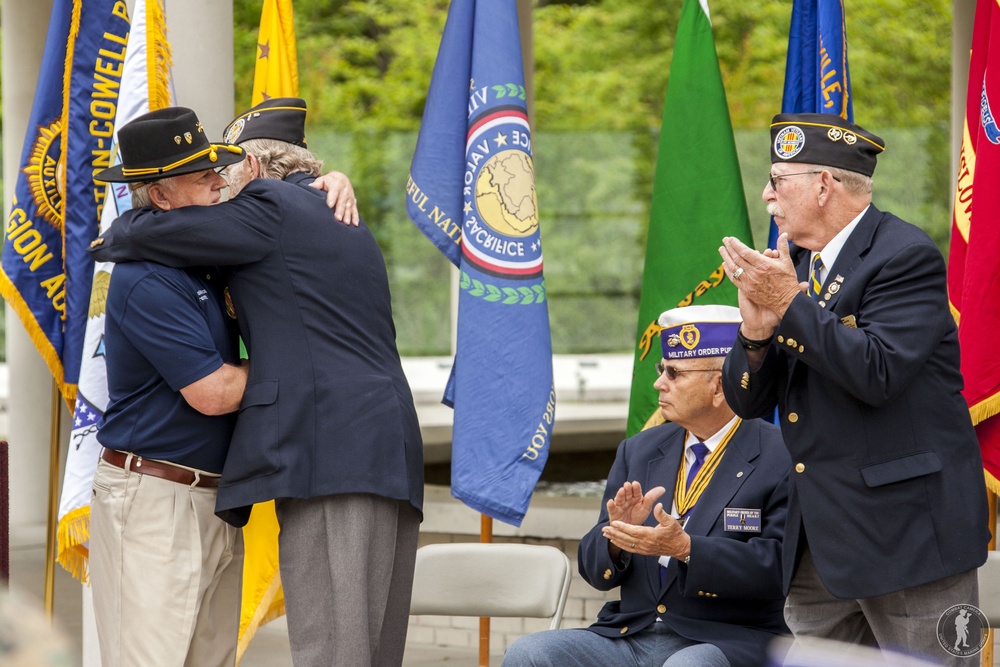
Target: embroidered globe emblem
{"x":505,"y":194}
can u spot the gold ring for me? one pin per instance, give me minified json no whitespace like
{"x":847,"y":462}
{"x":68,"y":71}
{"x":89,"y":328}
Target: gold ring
{"x":633,"y":546}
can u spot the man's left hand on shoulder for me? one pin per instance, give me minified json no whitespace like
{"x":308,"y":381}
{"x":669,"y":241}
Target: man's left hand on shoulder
{"x":339,"y":196}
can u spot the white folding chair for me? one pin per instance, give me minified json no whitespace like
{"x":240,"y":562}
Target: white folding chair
{"x":501,"y":580}
{"x":989,"y":588}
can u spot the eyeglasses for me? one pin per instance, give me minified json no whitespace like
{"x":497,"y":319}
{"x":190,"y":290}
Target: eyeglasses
{"x":672,"y":372}
{"x":774,"y":179}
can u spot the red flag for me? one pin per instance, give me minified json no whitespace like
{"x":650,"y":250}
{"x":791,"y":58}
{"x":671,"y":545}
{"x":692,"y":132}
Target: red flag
{"x":974,"y":259}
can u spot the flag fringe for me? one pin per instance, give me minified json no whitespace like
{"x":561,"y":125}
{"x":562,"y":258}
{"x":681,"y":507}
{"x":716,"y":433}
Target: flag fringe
{"x":68,"y":392}
{"x":74,"y":31}
{"x":159,"y":58}
{"x":984,"y":409}
{"x":992,"y":483}
{"x":72,"y":537}
{"x":264,"y":615}
{"x":954,"y":312}
{"x":38,"y":338}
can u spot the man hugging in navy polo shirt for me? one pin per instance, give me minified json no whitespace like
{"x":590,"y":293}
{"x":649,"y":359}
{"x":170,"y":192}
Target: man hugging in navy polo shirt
{"x":166,"y":573}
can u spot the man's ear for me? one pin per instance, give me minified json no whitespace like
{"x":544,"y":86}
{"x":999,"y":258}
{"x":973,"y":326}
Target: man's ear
{"x":825,"y":188}
{"x":718,"y":395}
{"x":158,"y":198}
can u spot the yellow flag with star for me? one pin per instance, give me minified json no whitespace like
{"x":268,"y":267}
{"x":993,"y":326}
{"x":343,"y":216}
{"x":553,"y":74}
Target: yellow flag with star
{"x":276,"y":75}
{"x":277,"y":71}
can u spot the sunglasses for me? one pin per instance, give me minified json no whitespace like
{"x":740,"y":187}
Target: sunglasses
{"x":672,"y":372}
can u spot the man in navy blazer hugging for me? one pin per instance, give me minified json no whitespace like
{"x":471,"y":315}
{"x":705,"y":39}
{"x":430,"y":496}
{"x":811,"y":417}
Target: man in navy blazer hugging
{"x":327,"y":425}
{"x":699,"y":567}
{"x":846,"y":329}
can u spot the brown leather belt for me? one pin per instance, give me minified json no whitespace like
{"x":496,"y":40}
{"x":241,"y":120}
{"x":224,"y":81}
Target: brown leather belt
{"x":158,"y":469}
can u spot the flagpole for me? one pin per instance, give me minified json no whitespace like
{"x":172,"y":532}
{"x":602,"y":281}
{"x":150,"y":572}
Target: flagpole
{"x":986,"y":659}
{"x":50,"y":535}
{"x":485,"y":537}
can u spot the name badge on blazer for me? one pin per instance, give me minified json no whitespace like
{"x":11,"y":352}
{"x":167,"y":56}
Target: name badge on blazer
{"x":742,"y":520}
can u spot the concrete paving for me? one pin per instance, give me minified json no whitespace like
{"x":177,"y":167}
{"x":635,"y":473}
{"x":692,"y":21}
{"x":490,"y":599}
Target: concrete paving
{"x":268,"y":649}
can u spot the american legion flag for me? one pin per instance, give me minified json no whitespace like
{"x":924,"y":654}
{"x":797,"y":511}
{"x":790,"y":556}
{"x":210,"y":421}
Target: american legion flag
{"x":472,"y":192}
{"x":45,"y":271}
{"x":144,"y":72}
{"x":974,"y":254}
{"x":817,"y":77}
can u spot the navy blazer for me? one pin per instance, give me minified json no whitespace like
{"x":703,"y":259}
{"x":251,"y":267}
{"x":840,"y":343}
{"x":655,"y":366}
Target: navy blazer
{"x":327,"y":409}
{"x":730,"y":595}
{"x":889,"y":482}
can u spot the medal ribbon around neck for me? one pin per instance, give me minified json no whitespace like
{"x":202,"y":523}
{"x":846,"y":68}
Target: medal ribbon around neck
{"x":686,"y":498}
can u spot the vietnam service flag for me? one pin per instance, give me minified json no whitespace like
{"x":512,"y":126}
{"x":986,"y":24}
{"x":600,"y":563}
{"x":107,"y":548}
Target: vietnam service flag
{"x":974,"y":260}
{"x":697,"y":199}
{"x":472,"y":193}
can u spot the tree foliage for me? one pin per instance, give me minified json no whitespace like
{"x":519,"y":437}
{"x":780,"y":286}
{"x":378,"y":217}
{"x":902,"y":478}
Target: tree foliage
{"x":603,"y":64}
{"x":601,"y":70}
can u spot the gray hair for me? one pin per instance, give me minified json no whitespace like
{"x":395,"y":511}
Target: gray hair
{"x":278,"y":159}
{"x":140,"y":194}
{"x":853,"y":182}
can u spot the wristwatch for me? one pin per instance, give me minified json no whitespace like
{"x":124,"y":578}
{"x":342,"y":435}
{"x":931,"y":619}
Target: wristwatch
{"x":750,"y":344}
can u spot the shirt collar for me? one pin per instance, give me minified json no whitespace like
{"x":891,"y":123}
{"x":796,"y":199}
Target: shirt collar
{"x":831,"y":250}
{"x":712,"y":442}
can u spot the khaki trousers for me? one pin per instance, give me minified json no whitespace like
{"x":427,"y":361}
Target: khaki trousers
{"x":166,"y":573}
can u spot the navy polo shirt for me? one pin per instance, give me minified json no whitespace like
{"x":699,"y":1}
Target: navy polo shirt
{"x":165,"y":329}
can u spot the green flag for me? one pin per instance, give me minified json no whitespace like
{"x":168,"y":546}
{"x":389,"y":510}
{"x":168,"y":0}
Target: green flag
{"x":697,"y":199}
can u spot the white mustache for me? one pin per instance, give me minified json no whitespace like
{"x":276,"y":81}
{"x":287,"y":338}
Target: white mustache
{"x":774,"y":210}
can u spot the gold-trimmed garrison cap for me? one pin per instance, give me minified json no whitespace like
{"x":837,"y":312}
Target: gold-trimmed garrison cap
{"x":281,"y":118}
{"x":693,"y":332}
{"x":824,"y":139}
{"x":164,"y":143}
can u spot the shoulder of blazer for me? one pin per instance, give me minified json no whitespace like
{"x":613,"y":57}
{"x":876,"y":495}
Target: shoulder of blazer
{"x":648,"y":442}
